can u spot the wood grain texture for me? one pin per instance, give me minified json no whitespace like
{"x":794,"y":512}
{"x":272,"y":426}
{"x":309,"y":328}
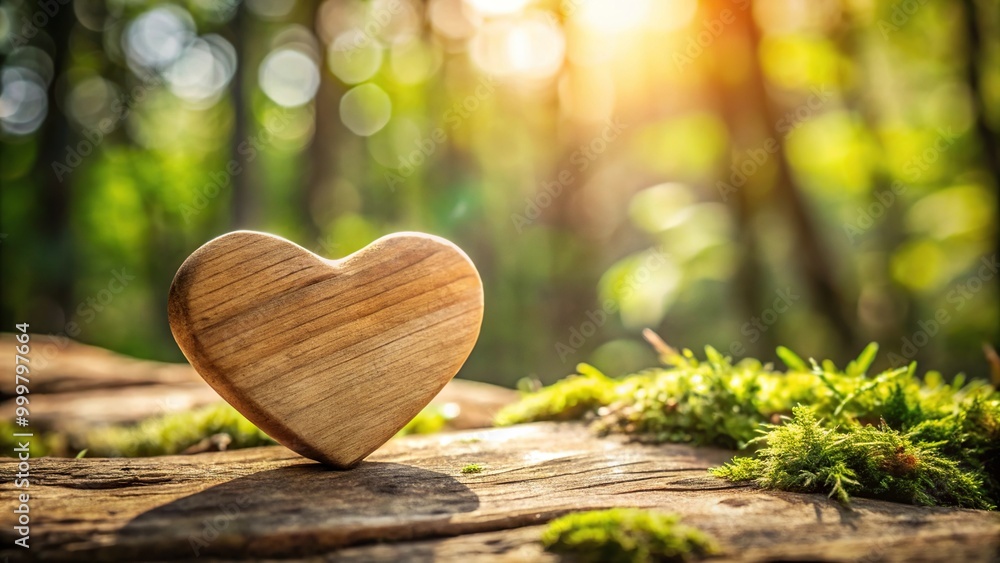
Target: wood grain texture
{"x":410,"y":502}
{"x":329,"y":357}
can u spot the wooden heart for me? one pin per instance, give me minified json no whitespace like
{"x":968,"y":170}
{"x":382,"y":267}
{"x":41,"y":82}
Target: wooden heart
{"x":329,"y":357}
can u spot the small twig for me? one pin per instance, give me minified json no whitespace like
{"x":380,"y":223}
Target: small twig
{"x":214,"y":443}
{"x":662,"y":348}
{"x":994,"y":359}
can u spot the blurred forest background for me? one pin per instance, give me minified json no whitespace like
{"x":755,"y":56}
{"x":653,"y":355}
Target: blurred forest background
{"x":812,"y":173}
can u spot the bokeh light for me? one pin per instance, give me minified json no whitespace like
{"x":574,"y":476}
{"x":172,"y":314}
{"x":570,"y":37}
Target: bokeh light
{"x":453,"y":19}
{"x":497,"y":7}
{"x":158,"y":37}
{"x":414,"y":61}
{"x":23,"y":101}
{"x":365,"y":109}
{"x":203,"y":70}
{"x":90,"y":101}
{"x":289,"y":77}
{"x":530,"y":47}
{"x":354,"y":57}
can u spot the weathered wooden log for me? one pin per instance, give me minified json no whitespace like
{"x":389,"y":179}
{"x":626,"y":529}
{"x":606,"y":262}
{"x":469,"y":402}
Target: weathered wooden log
{"x":410,"y":501}
{"x":75,"y":387}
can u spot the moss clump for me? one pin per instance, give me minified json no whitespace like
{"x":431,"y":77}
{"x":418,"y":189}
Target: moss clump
{"x":803,"y":455}
{"x":472,"y":468}
{"x":711,"y":403}
{"x":971,"y":435}
{"x":892,"y":435}
{"x":431,"y":420}
{"x":626,"y":535}
{"x":42,"y":443}
{"x":569,"y":399}
{"x":173,"y":433}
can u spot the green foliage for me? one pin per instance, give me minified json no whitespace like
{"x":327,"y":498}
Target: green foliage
{"x":626,"y":535}
{"x":173,"y":433}
{"x":431,"y":420}
{"x":712,"y":403}
{"x":42,"y":443}
{"x":568,"y":399}
{"x":893,"y":435}
{"x":472,"y":468}
{"x":803,"y":455}
{"x":971,"y":435}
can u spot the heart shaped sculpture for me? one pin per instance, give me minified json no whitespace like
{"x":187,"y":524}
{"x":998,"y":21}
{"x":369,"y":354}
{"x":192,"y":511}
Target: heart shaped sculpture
{"x":330,"y":357}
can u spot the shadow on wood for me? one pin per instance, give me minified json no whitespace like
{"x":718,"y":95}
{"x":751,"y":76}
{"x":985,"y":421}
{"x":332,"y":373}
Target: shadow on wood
{"x":291,"y":510}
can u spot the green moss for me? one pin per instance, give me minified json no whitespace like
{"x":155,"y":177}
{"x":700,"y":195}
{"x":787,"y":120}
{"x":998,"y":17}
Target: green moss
{"x":710,"y":402}
{"x":626,"y":535}
{"x":473,"y":468}
{"x":568,"y":399}
{"x":41,"y":444}
{"x":803,"y":455}
{"x":173,"y":433}
{"x":971,"y":435}
{"x":891,"y":435}
{"x":431,"y":420}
